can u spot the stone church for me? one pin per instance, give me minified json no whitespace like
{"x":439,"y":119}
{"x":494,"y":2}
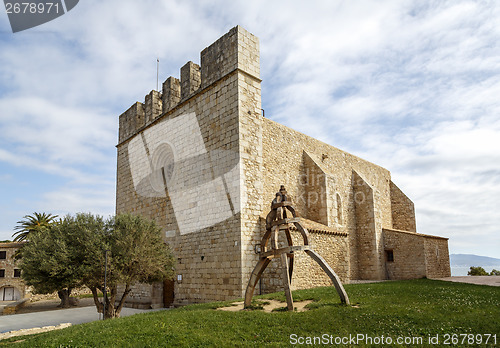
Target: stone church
{"x":201,"y":159}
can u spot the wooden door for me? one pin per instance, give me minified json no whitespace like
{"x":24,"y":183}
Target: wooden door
{"x":8,"y":294}
{"x":168,"y":292}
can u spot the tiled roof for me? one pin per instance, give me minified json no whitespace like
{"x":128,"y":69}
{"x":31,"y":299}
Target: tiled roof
{"x":11,"y":244}
{"x":316,"y":227}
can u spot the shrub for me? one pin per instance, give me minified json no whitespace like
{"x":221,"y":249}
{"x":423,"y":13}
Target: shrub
{"x":477,"y":271}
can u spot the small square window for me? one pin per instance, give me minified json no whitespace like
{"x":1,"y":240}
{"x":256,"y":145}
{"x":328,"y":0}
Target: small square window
{"x":2,"y":273}
{"x":389,"y":256}
{"x":17,"y":273}
{"x":3,"y":255}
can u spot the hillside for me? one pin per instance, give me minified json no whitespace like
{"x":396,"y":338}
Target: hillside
{"x":459,"y":260}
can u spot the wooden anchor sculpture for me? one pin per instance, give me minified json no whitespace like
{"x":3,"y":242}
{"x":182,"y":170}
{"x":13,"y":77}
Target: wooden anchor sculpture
{"x":280,"y":218}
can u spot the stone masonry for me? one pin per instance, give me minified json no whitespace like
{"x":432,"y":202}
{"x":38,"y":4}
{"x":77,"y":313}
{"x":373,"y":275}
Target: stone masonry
{"x":12,"y":287}
{"x":200,"y":159}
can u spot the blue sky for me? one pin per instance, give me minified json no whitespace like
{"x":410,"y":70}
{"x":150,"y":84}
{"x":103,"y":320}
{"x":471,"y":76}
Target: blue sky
{"x":410,"y":85}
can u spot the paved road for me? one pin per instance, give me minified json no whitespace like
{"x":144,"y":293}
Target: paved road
{"x":479,"y":280}
{"x":56,"y":317}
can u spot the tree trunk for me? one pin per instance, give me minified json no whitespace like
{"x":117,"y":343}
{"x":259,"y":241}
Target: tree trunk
{"x":108,"y":299}
{"x":64,"y":296}
{"x":112,"y":311}
{"x":97,"y":303}
{"x":122,"y":301}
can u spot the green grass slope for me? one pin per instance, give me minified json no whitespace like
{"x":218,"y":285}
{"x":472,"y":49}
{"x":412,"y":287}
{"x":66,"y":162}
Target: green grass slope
{"x":417,"y":312}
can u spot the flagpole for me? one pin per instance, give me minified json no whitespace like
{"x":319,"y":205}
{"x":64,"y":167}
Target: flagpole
{"x":157,"y":72}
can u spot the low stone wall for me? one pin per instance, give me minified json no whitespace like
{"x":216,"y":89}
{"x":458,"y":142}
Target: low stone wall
{"x":32,"y":331}
{"x":13,"y":307}
{"x":41,"y":297}
{"x":408,"y":254}
{"x":306,"y":272}
{"x":143,"y":296}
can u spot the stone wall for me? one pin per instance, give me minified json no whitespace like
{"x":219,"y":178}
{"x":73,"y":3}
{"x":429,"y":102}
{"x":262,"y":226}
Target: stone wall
{"x":8,"y":265}
{"x":143,"y":296}
{"x":203,"y":232}
{"x":368,"y":230}
{"x":408,"y":252}
{"x":315,"y":191}
{"x":190,"y":79}
{"x":130,"y":121}
{"x":284,"y":164}
{"x":416,"y":255}
{"x":237,"y":50}
{"x":403,"y":210}
{"x":250,"y":149}
{"x":437,"y":257}
{"x":332,"y":246}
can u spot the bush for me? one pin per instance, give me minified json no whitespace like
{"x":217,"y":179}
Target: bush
{"x":495,"y":272}
{"x":477,"y":271}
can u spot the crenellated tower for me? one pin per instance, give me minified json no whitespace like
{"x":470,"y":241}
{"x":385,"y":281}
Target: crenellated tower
{"x":183,"y":160}
{"x":238,"y":50}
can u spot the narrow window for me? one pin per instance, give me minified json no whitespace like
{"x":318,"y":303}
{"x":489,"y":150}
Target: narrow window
{"x":17,"y":273}
{"x":3,"y":255}
{"x":2,"y":273}
{"x":389,"y":256}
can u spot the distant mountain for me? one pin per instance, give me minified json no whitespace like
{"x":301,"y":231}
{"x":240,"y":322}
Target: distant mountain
{"x":460,"y":260}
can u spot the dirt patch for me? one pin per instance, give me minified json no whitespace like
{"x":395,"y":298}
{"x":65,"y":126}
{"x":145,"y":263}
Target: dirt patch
{"x":272,"y":304}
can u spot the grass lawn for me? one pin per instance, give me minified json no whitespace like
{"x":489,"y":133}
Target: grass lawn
{"x":413,"y":309}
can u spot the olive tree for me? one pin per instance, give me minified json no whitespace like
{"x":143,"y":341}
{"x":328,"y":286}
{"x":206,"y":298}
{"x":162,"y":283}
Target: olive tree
{"x":72,"y":253}
{"x":49,"y":262}
{"x":136,"y":254}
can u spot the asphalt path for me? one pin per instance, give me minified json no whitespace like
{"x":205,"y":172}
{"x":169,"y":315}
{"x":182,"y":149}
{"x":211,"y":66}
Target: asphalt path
{"x":478,"y":280}
{"x":47,"y":318}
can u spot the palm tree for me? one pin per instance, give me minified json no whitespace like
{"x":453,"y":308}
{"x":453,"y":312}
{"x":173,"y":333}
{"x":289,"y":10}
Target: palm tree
{"x":32,"y":223}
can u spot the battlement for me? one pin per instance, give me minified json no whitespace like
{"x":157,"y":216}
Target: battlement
{"x":236,"y":50}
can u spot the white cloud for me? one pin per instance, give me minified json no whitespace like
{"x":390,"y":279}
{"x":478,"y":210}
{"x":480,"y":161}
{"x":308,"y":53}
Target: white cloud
{"x":35,"y":131}
{"x":70,"y":200}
